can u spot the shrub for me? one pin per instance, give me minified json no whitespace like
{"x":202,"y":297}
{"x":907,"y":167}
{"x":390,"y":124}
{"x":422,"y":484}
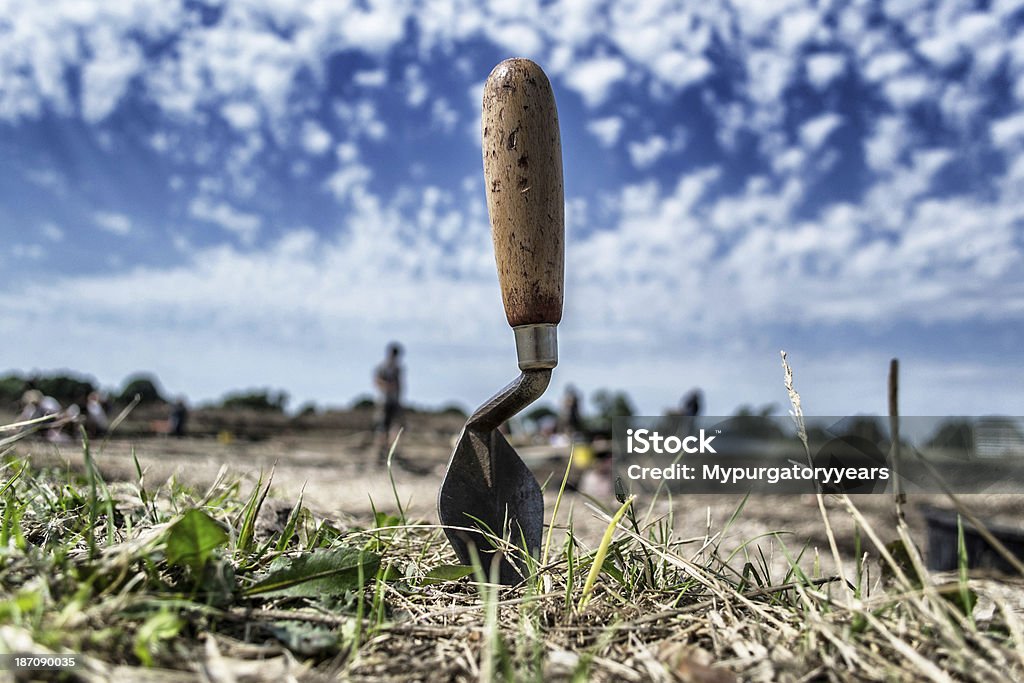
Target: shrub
{"x":257,"y":400}
{"x":145,"y":385}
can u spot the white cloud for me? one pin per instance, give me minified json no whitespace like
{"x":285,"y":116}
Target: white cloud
{"x":244,"y":225}
{"x":443,"y":116}
{"x":886,"y":65}
{"x":347,"y":180}
{"x":107,"y":75}
{"x":760,"y":18}
{"x":593,"y":79}
{"x":976,"y":29}
{"x":242,"y":116}
{"x":112,"y":222}
{"x":31,"y":252}
{"x":518,"y":38}
{"x":577,"y":21}
{"x":315,"y":140}
{"x":346,"y":152}
{"x":375,"y":29}
{"x":606,"y":130}
{"x":960,"y":106}
{"x":823,"y":68}
{"x":887,"y":142}
{"x":647,"y":152}
{"x":416,"y":91}
{"x":907,"y":91}
{"x":52,"y":232}
{"x":797,"y":28}
{"x":361,"y":119}
{"x":680,"y":69}
{"x":942,"y":50}
{"x":814,"y":132}
{"x":1008,"y":130}
{"x":768,"y":75}
{"x":50,"y":179}
{"x":371,"y":79}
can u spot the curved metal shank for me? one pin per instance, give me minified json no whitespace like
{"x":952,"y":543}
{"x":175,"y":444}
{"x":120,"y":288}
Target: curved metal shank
{"x":520,"y":393}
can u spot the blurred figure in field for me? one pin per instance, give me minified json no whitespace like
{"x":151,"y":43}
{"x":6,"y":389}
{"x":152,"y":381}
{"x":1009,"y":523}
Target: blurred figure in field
{"x":387,"y":378}
{"x":30,"y":405}
{"x":689,"y":408}
{"x":36,"y":405}
{"x":569,"y":420}
{"x":96,"y":421}
{"x":691,"y":403}
{"x":178,"y":421}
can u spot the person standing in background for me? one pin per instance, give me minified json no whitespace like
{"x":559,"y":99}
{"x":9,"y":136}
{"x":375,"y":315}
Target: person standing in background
{"x":570,"y":422}
{"x":178,"y":421}
{"x":387,"y":378}
{"x":96,"y":421}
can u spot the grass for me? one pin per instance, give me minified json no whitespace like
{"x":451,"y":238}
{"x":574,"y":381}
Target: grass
{"x":170,"y":583}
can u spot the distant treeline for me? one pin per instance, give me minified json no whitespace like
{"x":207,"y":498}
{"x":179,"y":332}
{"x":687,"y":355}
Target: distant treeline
{"x":72,"y":388}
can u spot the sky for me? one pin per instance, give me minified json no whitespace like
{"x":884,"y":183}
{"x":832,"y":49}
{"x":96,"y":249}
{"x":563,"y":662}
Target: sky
{"x":259,"y":193}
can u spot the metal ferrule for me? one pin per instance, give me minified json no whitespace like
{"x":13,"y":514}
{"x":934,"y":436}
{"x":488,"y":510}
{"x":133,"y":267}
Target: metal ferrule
{"x":537,"y":346}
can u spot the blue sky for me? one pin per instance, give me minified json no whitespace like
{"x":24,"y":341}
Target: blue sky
{"x":259,"y":193}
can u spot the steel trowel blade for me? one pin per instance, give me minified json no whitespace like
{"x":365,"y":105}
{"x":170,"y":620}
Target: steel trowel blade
{"x":488,"y":486}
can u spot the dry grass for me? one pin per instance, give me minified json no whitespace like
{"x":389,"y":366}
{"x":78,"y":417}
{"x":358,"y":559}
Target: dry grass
{"x":88,"y":566}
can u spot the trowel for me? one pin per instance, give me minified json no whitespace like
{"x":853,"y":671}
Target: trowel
{"x":490,"y":504}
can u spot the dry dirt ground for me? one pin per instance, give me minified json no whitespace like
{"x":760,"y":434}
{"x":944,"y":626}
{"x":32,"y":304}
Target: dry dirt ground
{"x":337,"y":475}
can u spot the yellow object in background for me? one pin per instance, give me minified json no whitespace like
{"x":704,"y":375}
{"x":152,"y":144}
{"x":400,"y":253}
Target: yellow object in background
{"x":225,"y":437}
{"x":582,"y":455}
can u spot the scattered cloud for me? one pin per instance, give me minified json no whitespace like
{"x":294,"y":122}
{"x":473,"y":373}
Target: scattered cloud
{"x":443,"y":115}
{"x":814,"y":132}
{"x":797,"y":28}
{"x":681,"y":69}
{"x":1008,"y":130}
{"x":105,"y":78}
{"x":886,"y":65}
{"x":360,"y":119}
{"x":315,"y":140}
{"x":908,"y":120}
{"x":647,"y":152}
{"x":371,"y":79}
{"x":242,"y":116}
{"x":52,"y":232}
{"x":905,"y":92}
{"x":31,"y":252}
{"x":518,"y":37}
{"x":823,"y":68}
{"x":607,"y":130}
{"x":416,"y":91}
{"x":595,"y":78}
{"x":347,"y":180}
{"x":112,"y":222}
{"x":244,"y":225}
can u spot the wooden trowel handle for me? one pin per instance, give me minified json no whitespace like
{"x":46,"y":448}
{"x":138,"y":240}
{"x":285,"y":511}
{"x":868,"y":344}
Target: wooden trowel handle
{"x":523,"y":173}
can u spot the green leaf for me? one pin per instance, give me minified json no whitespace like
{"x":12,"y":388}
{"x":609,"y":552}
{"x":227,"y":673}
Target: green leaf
{"x":322,"y":572}
{"x":383,"y":519}
{"x":446,"y":572}
{"x":251,"y":511}
{"x":193,"y":538}
{"x":163,"y":625}
{"x":24,"y":601}
{"x":305,"y":640}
